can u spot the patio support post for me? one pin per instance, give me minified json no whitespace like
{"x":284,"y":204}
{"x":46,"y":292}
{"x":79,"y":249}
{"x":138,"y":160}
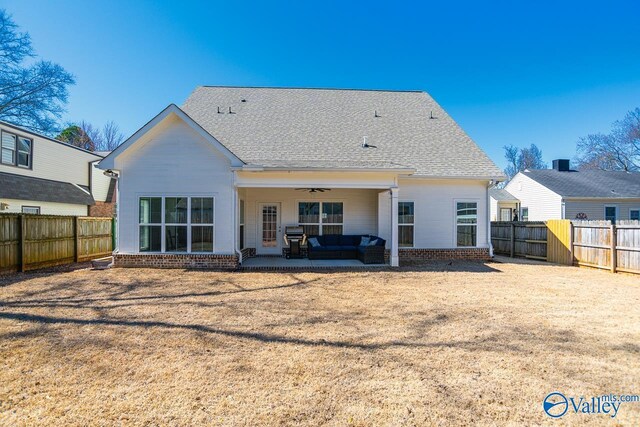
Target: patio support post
{"x":394,"y":227}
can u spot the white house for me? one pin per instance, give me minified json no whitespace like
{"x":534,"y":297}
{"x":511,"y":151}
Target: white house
{"x":40,"y":175}
{"x":563,"y":193}
{"x":504,"y":206}
{"x":216,"y":181}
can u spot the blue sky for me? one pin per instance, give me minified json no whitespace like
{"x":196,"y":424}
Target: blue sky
{"x":510,"y":72}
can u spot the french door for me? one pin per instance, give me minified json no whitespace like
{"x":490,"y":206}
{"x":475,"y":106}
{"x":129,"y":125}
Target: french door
{"x":269,"y":229}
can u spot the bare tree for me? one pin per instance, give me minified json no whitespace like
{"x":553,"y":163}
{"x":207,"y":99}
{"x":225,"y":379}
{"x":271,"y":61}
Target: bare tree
{"x":617,"y":150}
{"x":32,"y":94}
{"x":111,"y":136}
{"x":519,"y":159}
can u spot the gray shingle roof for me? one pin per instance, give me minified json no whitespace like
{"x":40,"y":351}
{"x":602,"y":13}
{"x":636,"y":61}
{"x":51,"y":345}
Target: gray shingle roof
{"x":325,"y":128}
{"x":589,"y":183}
{"x":502,"y":195}
{"x":42,"y":190}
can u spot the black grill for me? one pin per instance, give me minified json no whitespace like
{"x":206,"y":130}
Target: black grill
{"x":294,"y":237}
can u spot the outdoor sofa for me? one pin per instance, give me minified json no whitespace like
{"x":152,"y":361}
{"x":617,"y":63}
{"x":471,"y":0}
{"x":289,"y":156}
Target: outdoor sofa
{"x":369,"y":250}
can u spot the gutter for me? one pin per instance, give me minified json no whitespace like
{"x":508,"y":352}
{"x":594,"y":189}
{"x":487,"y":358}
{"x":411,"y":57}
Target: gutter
{"x":491,"y":185}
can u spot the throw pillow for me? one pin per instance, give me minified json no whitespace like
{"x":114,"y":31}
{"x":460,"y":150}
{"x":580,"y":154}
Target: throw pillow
{"x":364,"y":240}
{"x":314,"y":242}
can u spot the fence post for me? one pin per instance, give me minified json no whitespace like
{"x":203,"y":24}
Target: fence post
{"x":23,"y":236}
{"x":614,"y":252}
{"x":512,"y":236}
{"x":76,"y":238}
{"x":571,"y":247}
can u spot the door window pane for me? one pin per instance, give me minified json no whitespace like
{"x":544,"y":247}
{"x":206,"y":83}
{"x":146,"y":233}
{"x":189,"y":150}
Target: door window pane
{"x":150,"y":210}
{"x":175,"y":210}
{"x":176,"y":238}
{"x":269,"y":226}
{"x":202,"y":210}
{"x":150,"y":238}
{"x":202,"y":239}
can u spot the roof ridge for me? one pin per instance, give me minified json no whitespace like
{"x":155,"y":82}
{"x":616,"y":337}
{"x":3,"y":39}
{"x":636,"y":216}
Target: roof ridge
{"x":314,"y":88}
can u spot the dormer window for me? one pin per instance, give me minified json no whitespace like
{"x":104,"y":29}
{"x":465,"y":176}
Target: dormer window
{"x":16,"y":150}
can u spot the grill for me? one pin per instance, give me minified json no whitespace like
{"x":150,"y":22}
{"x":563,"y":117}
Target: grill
{"x":294,"y":237}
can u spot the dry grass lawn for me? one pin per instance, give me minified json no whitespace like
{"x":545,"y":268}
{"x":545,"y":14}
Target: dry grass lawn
{"x":438,"y":345}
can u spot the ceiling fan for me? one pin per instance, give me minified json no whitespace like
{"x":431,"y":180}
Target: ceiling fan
{"x":314,"y":190}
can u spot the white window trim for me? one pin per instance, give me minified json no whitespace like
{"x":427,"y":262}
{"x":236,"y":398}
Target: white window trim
{"x":412,"y":224}
{"x":634,"y":209}
{"x":611,"y":206}
{"x":16,"y":150}
{"x":320,"y":224}
{"x":163,"y":224}
{"x":455,"y":221}
{"x":22,"y":208}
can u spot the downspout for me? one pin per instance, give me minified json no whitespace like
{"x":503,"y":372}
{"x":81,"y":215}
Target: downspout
{"x":235,"y":220}
{"x":491,"y":184}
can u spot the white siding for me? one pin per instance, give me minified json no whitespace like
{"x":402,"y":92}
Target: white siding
{"x":435,"y":211}
{"x":99,"y":183}
{"x":53,"y":160}
{"x":543,"y":203}
{"x":595,"y":209}
{"x":360,"y":208}
{"x":173,"y":160}
{"x":46,"y":208}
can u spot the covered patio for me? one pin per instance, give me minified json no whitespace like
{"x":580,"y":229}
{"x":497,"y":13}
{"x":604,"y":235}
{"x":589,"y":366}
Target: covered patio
{"x":351,"y":203}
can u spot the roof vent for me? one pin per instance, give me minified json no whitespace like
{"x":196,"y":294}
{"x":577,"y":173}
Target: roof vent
{"x":561,"y":165}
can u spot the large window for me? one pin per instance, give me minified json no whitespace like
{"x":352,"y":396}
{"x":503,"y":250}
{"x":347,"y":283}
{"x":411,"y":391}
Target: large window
{"x":405,"y":224}
{"x":611,"y":213}
{"x":176,"y":224}
{"x":467,"y":223}
{"x":319,"y":218}
{"x":634,"y":214}
{"x":16,"y":150}
{"x":524,"y":216}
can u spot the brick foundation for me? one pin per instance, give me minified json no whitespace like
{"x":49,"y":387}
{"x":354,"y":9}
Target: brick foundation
{"x":467,"y":254}
{"x":195,"y":261}
{"x":104,"y":209}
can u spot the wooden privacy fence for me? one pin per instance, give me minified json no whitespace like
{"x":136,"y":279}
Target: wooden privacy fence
{"x":520,"y":239}
{"x":29,"y":242}
{"x":599,"y":244}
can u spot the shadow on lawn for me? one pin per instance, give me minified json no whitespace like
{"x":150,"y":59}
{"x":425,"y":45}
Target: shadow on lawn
{"x":493,"y":342}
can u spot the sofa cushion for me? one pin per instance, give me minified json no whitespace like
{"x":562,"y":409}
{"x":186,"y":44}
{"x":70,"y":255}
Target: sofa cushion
{"x":331,"y":240}
{"x":335,"y":248}
{"x":348,"y":248}
{"x":361,"y":249}
{"x":349,"y":240}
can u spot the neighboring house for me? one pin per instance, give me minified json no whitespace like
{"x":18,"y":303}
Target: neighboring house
{"x":40,"y":175}
{"x":504,"y":205}
{"x":562,"y":193}
{"x":218,"y":180}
